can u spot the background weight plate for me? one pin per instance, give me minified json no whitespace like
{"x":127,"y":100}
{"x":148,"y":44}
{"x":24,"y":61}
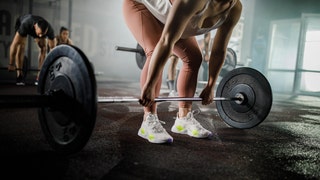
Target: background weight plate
{"x":140,"y":57}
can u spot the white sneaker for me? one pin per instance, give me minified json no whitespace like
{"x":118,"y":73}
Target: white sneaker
{"x":189,"y":125}
{"x":152,"y":130}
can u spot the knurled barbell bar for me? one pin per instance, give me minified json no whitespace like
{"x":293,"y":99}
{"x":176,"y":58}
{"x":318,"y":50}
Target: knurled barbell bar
{"x":67,"y":99}
{"x":239,"y":99}
{"x":54,"y":99}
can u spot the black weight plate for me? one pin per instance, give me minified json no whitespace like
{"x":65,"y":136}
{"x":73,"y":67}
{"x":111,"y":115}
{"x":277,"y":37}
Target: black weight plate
{"x":258,"y":98}
{"x":140,"y":57}
{"x":68,"y":129}
{"x":230,"y":62}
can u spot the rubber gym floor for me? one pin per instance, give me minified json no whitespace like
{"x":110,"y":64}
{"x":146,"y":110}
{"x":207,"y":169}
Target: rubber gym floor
{"x":284,"y":146}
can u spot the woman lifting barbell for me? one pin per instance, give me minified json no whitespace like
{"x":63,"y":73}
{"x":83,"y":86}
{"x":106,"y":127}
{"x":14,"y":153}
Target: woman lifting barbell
{"x":163,"y":27}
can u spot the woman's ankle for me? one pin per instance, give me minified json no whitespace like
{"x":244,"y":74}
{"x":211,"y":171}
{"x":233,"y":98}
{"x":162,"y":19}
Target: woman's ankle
{"x":183,"y":112}
{"x":148,"y":113}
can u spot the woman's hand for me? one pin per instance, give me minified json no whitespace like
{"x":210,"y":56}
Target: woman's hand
{"x":207,"y":95}
{"x":147,"y":96}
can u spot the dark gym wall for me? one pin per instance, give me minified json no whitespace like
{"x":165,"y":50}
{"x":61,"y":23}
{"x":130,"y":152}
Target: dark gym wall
{"x":9,"y":11}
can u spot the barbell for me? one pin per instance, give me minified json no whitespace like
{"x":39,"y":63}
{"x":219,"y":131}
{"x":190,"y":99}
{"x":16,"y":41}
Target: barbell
{"x":229,"y":64}
{"x":67,"y":99}
{"x":140,"y":54}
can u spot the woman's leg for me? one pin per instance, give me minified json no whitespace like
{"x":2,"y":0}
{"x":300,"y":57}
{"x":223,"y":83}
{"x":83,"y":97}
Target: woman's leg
{"x":147,"y":31}
{"x":190,"y":54}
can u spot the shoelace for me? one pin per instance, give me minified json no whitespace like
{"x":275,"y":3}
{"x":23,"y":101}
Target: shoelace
{"x":156,"y":124}
{"x":162,"y":122}
{"x":192,"y":119}
{"x":157,"y":127}
{"x":196,"y":112}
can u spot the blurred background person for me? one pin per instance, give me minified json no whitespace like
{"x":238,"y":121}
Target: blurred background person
{"x":63,"y":37}
{"x":40,"y":30}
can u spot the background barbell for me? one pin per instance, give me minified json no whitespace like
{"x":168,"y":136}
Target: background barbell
{"x":140,"y":55}
{"x":229,"y":64}
{"x":67,"y":99}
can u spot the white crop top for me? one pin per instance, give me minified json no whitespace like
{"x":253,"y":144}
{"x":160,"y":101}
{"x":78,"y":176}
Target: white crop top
{"x":160,"y":9}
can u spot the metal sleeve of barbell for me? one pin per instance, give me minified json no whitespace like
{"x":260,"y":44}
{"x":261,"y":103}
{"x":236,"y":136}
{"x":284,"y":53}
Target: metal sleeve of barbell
{"x":119,"y":48}
{"x":160,"y":99}
{"x":25,"y":101}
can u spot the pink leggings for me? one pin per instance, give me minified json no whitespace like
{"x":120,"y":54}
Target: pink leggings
{"x":147,"y":31}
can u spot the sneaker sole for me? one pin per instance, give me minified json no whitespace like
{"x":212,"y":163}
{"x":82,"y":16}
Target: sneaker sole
{"x":174,"y":129}
{"x":170,"y":140}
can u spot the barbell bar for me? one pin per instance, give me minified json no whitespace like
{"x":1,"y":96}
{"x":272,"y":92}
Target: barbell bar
{"x":55,"y":99}
{"x":67,"y":99}
{"x":105,"y":99}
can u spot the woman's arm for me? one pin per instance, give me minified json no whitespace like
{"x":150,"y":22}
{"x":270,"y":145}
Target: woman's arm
{"x":218,"y":50}
{"x":221,"y":41}
{"x":179,"y":16}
